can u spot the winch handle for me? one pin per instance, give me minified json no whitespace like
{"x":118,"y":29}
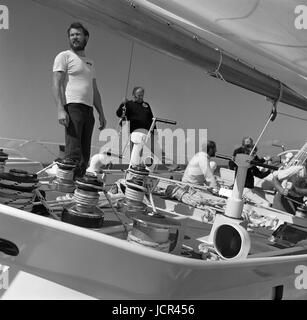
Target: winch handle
{"x":221,"y":156}
{"x":166,"y":121}
{"x":253,"y":162}
{"x":110,"y":154}
{"x":264,"y":165}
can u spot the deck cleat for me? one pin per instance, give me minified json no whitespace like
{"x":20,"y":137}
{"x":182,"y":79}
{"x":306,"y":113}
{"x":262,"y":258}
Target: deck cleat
{"x":64,"y":181}
{"x":84,"y":210}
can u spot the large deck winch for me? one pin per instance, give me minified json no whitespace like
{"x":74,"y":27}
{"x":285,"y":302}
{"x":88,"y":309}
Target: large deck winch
{"x":84,"y":210}
{"x":64,"y":181}
{"x":135,"y":190}
{"x":153,"y":230}
{"x":150,"y":229}
{"x":17,"y":189}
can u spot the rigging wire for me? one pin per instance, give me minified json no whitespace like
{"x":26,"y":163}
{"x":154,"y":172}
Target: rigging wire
{"x":129,"y":71}
{"x":272,"y":116}
{"x":124,"y":117}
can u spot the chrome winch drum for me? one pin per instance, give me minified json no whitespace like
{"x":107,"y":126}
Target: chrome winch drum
{"x":152,"y":231}
{"x":17,"y":189}
{"x":135,"y":190}
{"x":64,"y":181}
{"x":3,"y":157}
{"x":84,"y":211}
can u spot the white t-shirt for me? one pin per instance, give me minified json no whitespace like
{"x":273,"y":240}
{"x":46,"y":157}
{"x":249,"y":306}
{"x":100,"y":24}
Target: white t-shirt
{"x":79,"y":76}
{"x":198,"y":170}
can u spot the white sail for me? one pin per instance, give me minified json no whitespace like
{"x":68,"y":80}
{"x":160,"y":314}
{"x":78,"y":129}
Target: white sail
{"x":249,"y":35}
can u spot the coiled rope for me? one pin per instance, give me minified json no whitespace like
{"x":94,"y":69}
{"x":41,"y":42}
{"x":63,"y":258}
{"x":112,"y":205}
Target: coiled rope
{"x":17,"y":189}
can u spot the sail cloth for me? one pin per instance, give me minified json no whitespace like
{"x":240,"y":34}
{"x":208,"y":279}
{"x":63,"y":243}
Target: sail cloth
{"x":259,"y":42}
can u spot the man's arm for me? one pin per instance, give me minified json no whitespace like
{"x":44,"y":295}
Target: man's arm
{"x":231,"y":164}
{"x":260,"y":160}
{"x":279,"y":188}
{"x":300,"y":186}
{"x":260,"y":174}
{"x":98,"y":105}
{"x":207,"y":172}
{"x":122,"y":109}
{"x":58,"y":94}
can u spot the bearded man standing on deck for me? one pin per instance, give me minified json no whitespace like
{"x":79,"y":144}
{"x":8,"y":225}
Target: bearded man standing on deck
{"x":76,"y":93}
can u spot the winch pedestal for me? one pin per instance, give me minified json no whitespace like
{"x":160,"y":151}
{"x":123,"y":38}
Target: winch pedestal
{"x":228,"y":234}
{"x":150,"y":229}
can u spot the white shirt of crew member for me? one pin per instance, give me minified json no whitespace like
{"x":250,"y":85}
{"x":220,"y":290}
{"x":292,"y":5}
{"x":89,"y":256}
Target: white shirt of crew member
{"x":198,"y":170}
{"x":80,"y":73}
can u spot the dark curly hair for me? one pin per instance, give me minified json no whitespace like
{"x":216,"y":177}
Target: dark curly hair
{"x":78,"y":25}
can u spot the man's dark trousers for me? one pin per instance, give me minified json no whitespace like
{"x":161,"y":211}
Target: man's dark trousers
{"x":78,"y":134}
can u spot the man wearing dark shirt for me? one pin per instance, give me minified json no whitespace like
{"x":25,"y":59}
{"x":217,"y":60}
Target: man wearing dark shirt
{"x":136,"y":111}
{"x":139,"y":115}
{"x":250,"y":192}
{"x":253,"y":171}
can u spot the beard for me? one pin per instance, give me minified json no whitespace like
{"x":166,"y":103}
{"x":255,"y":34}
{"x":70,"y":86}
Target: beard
{"x":78,"y":45}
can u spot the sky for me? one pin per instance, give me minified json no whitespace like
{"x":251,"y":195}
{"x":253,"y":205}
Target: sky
{"x":175,"y":89}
